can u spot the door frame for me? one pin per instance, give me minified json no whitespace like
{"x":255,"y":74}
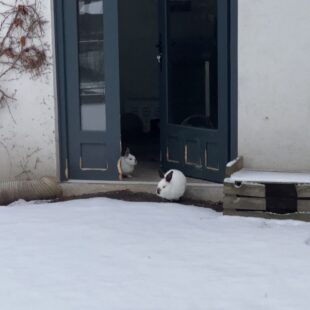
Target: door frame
{"x":233,"y":78}
{"x":59,"y":51}
{"x":60,"y":74}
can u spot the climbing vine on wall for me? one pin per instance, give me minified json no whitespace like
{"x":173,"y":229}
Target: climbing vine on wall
{"x":22,"y":47}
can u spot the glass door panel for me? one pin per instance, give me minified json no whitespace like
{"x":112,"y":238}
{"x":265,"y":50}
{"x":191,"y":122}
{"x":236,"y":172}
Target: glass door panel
{"x":192,"y":52}
{"x":91,"y":65}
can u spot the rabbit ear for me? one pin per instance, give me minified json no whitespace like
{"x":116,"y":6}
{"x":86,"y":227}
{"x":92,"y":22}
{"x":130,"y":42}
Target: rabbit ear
{"x":161,"y":174}
{"x":127,"y":152}
{"x":169,"y":176}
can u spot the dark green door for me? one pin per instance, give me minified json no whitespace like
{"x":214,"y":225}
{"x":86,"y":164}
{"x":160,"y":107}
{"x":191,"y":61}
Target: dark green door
{"x":194,"y":96}
{"x":92,"y":88}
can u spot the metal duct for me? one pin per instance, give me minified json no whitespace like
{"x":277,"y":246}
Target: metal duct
{"x":45,"y":188}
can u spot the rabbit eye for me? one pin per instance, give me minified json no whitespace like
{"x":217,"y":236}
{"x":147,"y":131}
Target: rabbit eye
{"x":164,"y":186}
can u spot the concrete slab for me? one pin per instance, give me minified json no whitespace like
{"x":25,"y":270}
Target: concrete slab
{"x":145,"y":179}
{"x":197,"y":191}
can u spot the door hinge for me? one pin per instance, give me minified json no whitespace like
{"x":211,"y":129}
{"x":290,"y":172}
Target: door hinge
{"x":66,"y":169}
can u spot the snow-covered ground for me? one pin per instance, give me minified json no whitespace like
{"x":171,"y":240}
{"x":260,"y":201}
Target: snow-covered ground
{"x":107,"y":254}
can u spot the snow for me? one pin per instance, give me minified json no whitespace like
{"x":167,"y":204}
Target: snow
{"x":233,"y":162}
{"x":245,"y":175}
{"x":101,"y":254}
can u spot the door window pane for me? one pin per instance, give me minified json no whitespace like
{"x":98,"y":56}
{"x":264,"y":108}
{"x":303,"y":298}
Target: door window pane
{"x":91,"y":65}
{"x":192,"y":52}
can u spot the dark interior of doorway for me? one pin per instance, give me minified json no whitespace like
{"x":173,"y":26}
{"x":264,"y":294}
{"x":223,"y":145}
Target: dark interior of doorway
{"x":193,"y":100}
{"x":139,"y":82}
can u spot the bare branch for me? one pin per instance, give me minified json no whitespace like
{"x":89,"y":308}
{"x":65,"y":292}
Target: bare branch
{"x":21,"y":41}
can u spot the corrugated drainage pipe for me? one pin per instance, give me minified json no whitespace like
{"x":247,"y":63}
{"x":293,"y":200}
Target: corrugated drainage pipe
{"x":45,"y":188}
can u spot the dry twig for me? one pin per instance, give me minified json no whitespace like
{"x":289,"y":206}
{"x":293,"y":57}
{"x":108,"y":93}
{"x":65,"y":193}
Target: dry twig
{"x":22,"y":48}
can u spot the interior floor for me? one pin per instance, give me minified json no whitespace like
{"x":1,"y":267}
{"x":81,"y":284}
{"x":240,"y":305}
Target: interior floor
{"x":146,"y":148}
{"x":146,"y":171}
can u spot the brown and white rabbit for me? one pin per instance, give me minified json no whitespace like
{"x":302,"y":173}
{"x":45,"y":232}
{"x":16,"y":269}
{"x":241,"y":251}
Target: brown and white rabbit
{"x":126,"y":165}
{"x":172,"y":186}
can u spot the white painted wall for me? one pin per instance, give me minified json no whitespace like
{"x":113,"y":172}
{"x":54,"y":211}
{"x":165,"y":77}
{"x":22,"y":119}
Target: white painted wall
{"x":274,"y":84}
{"x":27,"y":137}
{"x":274,"y":97}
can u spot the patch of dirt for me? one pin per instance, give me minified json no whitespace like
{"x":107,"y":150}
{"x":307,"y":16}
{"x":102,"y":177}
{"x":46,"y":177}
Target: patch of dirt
{"x":127,"y":195}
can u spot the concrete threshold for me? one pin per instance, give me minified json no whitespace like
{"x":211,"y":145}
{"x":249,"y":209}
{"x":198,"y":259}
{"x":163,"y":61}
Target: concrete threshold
{"x":195,"y":190}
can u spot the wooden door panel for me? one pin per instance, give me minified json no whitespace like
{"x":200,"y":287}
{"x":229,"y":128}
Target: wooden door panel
{"x":92,"y":88}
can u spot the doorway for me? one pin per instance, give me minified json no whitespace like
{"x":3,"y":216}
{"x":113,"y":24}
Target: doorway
{"x":139,"y":84}
{"x":181,"y":119}
{"x":152,"y":75}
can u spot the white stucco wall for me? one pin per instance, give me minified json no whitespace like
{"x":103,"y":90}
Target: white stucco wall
{"x":274,"y":97}
{"x":274,"y":84}
{"x":27,"y":137}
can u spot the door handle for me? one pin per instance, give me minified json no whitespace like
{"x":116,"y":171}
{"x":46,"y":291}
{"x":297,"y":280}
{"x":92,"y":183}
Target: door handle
{"x":159,"y":57}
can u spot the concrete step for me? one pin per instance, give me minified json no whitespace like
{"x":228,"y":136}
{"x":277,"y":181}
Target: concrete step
{"x":204,"y":191}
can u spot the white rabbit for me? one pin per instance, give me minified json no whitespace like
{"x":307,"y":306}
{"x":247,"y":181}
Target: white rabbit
{"x":172,"y":186}
{"x":126,"y":165}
